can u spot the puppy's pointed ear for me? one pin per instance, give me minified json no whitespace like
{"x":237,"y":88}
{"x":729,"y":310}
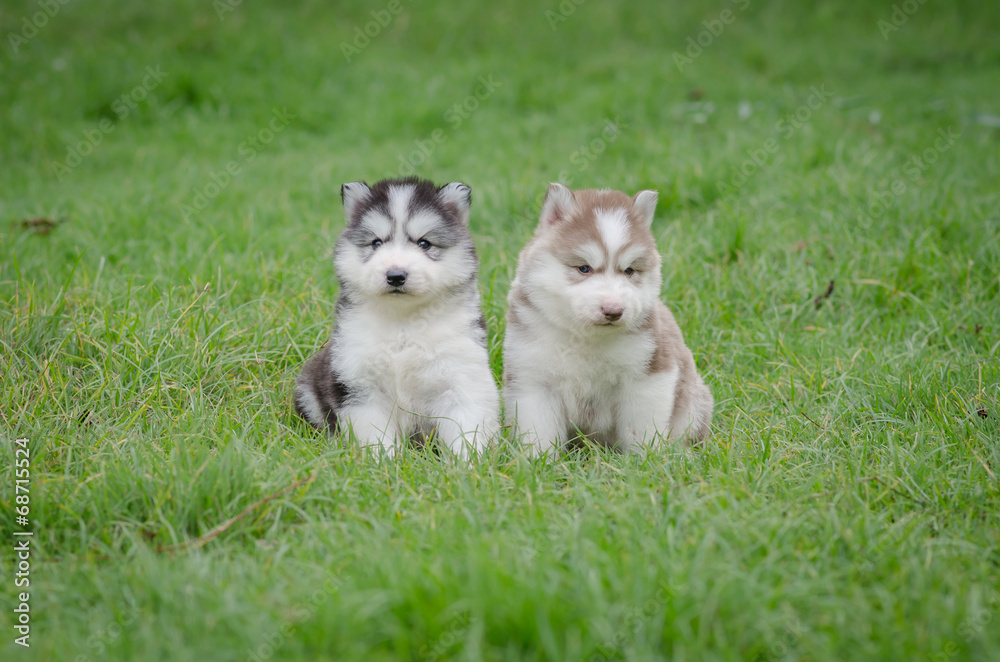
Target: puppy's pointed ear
{"x":559,"y":204}
{"x":352,"y":194}
{"x":457,"y":197}
{"x":645,"y":205}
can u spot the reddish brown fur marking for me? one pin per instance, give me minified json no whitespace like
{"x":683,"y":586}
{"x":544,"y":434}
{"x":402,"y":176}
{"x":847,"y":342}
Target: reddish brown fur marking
{"x":580,"y":226}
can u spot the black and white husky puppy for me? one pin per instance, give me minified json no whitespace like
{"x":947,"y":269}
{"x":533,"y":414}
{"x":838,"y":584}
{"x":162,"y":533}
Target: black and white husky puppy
{"x":408,"y":355}
{"x":589,"y":345}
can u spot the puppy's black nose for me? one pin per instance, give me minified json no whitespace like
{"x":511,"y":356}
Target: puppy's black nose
{"x":395,"y":277}
{"x":612,"y":313}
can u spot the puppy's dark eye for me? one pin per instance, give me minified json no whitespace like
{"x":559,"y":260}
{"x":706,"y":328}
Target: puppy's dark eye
{"x":376,"y":243}
{"x":584,"y":269}
{"x":424,"y":244}
{"x":629,"y":271}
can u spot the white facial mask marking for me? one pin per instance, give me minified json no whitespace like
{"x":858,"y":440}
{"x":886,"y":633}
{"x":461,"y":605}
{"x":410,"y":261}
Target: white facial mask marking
{"x":614,"y":229}
{"x":399,"y":202}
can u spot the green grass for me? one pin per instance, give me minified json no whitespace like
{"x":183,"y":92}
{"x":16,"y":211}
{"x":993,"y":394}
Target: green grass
{"x":847,"y":506}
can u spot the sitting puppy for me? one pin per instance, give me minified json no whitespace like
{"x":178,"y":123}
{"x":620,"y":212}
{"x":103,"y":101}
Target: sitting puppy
{"x":589,"y":346}
{"x":408,"y":354}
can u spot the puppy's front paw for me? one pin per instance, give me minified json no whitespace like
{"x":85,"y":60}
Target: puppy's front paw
{"x":469,"y":444}
{"x":379,"y":451}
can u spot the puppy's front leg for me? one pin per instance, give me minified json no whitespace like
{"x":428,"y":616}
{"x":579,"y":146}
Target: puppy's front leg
{"x":645,"y":410}
{"x":537,"y":413}
{"x":466,"y":419}
{"x":374,"y":425}
{"x":465,"y":432}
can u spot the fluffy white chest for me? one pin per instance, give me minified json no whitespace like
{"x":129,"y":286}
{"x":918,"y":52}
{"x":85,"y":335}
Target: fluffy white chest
{"x":590,"y":372}
{"x":411,"y":360}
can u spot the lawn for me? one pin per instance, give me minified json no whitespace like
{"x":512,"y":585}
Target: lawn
{"x":829,"y":219}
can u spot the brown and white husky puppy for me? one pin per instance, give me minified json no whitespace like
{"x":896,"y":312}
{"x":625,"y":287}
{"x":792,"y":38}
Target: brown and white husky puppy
{"x":589,"y":346}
